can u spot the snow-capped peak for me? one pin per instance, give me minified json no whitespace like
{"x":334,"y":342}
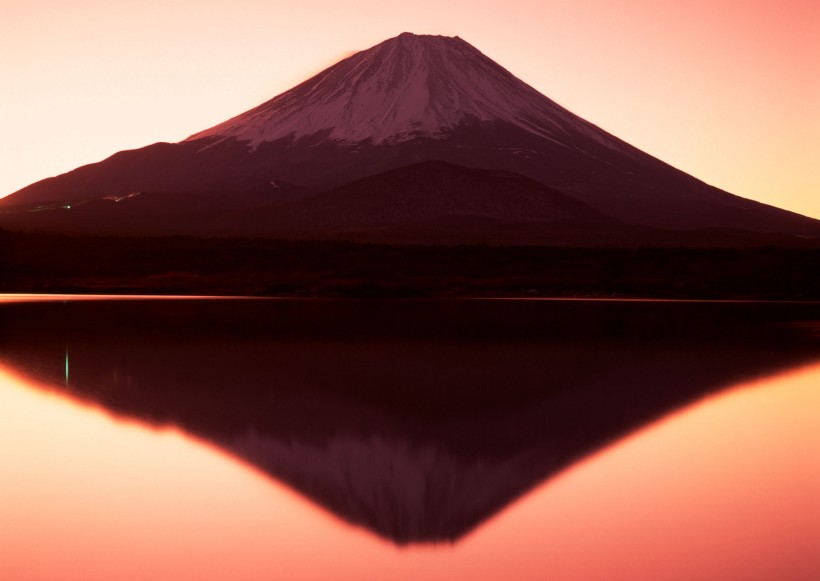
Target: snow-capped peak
{"x":406,"y":86}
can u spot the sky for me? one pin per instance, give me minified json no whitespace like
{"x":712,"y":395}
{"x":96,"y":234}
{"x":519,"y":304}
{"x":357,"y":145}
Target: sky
{"x":726,"y":90}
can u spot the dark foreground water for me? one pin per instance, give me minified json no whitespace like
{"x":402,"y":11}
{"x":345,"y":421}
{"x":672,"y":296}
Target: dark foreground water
{"x":320,"y":439}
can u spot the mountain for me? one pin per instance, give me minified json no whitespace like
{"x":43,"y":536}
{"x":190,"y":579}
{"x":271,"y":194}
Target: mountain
{"x":408,"y":100}
{"x":440,"y":203}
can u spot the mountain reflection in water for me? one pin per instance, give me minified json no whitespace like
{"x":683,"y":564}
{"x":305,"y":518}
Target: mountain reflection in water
{"x":417,"y":420}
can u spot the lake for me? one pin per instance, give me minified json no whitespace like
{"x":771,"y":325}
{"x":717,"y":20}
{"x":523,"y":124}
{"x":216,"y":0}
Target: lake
{"x":408,"y":439}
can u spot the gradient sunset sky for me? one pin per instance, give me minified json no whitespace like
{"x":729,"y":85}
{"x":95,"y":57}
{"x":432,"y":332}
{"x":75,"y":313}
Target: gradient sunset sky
{"x":726,"y":90}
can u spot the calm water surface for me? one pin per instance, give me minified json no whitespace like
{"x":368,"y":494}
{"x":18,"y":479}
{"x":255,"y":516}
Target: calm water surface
{"x":409,"y":440}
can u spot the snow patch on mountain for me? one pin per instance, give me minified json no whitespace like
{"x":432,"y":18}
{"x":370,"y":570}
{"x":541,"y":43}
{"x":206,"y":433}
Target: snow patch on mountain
{"x":408,"y":86}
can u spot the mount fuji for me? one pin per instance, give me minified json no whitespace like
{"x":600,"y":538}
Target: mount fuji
{"x":419,"y":139}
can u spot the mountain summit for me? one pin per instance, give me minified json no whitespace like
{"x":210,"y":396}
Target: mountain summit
{"x":407,"y":87}
{"x":403,"y":103}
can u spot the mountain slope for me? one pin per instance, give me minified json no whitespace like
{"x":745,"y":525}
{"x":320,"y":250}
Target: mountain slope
{"x":440,"y":203}
{"x":406,"y":87}
{"x":434,"y":201}
{"x":412,"y":99}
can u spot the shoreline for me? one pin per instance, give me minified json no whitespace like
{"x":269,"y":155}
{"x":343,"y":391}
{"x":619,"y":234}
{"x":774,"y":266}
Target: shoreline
{"x":243,"y":267}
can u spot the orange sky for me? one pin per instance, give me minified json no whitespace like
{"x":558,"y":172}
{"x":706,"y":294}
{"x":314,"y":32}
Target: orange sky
{"x":728,"y":91}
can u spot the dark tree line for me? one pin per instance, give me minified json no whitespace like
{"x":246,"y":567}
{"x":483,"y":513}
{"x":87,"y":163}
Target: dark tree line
{"x":241,"y":266}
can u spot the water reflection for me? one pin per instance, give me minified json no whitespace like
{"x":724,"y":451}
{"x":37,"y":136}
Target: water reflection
{"x":416,"y":420}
